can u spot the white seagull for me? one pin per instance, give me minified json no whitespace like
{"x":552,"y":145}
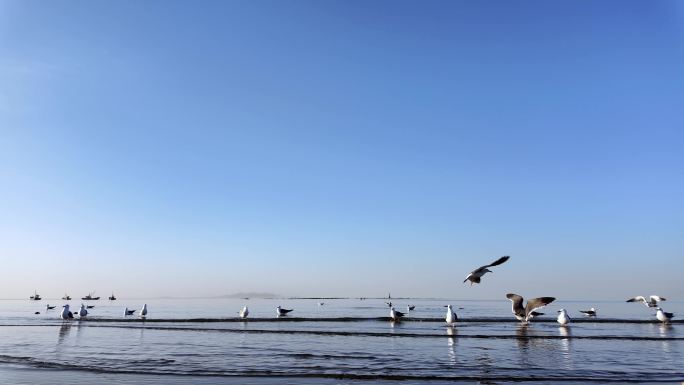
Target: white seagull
{"x":244,"y":312}
{"x":66,"y":314}
{"x":651,"y":302}
{"x":143,"y":311}
{"x":663,"y":316}
{"x":476,"y":275}
{"x":395,"y":315}
{"x":82,"y":312}
{"x":526,"y":313}
{"x":450,"y":316}
{"x":590,"y":313}
{"x":280,"y":311}
{"x":563,"y":317}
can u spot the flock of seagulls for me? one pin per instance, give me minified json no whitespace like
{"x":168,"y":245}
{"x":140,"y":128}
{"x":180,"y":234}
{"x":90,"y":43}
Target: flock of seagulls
{"x":66,"y":313}
{"x":522,"y":311}
{"x":528,"y":311}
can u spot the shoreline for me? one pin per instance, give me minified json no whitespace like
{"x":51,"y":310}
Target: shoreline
{"x":33,"y":375}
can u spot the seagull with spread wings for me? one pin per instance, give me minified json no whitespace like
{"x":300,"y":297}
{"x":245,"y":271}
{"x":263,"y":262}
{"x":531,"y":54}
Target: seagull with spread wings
{"x":526,"y":313}
{"x":476,"y":275}
{"x":651,"y":302}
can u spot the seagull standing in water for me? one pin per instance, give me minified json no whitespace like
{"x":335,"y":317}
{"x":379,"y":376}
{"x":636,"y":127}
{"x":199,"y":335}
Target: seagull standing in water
{"x":663,"y":316}
{"x":128,"y":312}
{"x":48,"y":307}
{"x":280,"y":311}
{"x":450,"y":316}
{"x":66,"y":314}
{"x":563,"y":317}
{"x":590,"y":313}
{"x":528,"y":312}
{"x":651,"y":302}
{"x":143,"y":311}
{"x":82,"y":312}
{"x":395,"y":315}
{"x":244,"y":312}
{"x":476,"y":275}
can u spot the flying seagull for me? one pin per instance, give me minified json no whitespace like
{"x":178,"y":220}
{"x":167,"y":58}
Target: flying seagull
{"x":395,"y":315}
{"x":651,"y":302}
{"x":663,"y":316}
{"x":476,"y":275}
{"x":591,"y":312}
{"x":563,"y":317}
{"x":244,"y":312}
{"x":526,"y":313}
{"x":280,"y":311}
{"x":389,"y":304}
{"x":450,"y":315}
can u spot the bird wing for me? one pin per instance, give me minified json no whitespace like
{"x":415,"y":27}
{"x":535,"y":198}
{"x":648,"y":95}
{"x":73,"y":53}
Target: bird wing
{"x":497,"y":262}
{"x":537,"y":303}
{"x":656,"y":298}
{"x":637,"y":298}
{"x":668,"y":315}
{"x":468,"y":277}
{"x":517,"y":303}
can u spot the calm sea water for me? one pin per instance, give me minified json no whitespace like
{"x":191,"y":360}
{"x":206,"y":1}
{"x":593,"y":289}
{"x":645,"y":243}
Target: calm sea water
{"x":342,"y":341}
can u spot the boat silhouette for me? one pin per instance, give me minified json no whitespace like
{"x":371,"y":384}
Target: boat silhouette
{"x":35,"y":296}
{"x":90,"y":297}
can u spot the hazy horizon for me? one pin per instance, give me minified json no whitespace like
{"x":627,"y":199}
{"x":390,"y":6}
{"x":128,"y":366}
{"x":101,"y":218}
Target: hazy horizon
{"x":162,"y":148}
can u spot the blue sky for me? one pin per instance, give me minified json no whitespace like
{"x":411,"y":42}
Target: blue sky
{"x":341,"y":147}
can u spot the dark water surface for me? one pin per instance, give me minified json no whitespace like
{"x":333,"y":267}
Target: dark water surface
{"x":343,"y":341}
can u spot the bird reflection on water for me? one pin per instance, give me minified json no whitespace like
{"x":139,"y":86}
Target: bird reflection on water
{"x":452,"y":334}
{"x":666,"y":331}
{"x":64,"y":330}
{"x":565,"y":331}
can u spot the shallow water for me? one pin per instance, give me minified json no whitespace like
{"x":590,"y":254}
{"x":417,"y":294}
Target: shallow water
{"x":345,"y":340}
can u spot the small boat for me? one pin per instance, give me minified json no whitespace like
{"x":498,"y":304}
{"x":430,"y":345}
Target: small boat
{"x":66,"y":297}
{"x":112,"y":297}
{"x":35,"y":296}
{"x":90,"y":297}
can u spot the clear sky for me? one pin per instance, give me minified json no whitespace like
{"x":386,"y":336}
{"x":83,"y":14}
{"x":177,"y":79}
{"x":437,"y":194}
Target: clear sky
{"x":342,"y":148}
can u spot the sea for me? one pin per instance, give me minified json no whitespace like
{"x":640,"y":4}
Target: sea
{"x":336,"y":341}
